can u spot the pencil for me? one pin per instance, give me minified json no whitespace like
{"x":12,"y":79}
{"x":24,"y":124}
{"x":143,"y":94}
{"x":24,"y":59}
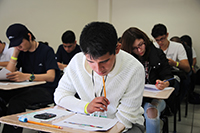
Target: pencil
{"x":104,"y":87}
{"x":44,"y":124}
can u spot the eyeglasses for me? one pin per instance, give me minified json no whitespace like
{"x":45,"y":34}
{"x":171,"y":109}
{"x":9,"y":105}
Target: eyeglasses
{"x":138,"y":47}
{"x":161,"y":39}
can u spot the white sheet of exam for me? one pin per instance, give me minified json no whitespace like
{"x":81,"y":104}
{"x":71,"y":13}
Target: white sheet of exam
{"x":3,"y":73}
{"x":152,"y":88}
{"x":86,"y":122}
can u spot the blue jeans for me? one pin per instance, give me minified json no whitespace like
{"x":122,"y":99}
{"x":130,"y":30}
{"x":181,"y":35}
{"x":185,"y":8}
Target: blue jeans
{"x":153,"y":123}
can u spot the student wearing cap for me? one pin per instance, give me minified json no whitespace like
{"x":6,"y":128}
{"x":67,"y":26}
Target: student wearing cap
{"x":37,"y":63}
{"x":5,"y":53}
{"x":67,"y":50}
{"x":101,"y":62}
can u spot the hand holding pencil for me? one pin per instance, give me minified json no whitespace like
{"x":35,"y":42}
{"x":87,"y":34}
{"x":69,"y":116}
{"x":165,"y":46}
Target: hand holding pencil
{"x":98,"y":104}
{"x":162,"y":84}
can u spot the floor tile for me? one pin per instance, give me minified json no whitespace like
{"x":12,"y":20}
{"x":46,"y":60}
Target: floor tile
{"x":196,"y":129}
{"x":180,"y":128}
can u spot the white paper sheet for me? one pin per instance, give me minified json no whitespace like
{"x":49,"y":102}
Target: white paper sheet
{"x":3,"y":73}
{"x":152,"y":88}
{"x":86,"y":122}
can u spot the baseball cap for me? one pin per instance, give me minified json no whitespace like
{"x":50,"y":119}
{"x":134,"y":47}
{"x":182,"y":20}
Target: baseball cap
{"x":15,"y":34}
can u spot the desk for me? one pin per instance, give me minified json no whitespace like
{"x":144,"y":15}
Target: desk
{"x":13,"y":120}
{"x":164,"y":94}
{"x":7,"y":85}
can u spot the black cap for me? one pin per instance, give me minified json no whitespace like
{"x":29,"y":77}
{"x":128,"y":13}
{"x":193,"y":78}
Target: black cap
{"x":15,"y":34}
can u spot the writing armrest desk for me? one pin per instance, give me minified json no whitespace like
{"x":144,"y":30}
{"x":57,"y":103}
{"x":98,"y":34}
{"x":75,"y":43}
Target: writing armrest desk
{"x":13,"y":120}
{"x":14,"y":85}
{"x":164,"y":94}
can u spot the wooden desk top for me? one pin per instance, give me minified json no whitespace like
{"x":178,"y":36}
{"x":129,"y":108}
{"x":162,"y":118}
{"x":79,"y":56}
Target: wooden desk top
{"x":13,"y":120}
{"x":6,"y":85}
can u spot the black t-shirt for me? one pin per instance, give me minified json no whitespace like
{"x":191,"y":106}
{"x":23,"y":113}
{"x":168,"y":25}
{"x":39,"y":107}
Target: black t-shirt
{"x":64,"y":57}
{"x":39,"y":62}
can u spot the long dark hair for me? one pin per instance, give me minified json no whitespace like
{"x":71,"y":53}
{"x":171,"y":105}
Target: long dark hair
{"x":129,"y":37}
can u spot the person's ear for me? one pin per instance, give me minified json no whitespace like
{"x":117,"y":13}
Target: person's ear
{"x":30,"y":37}
{"x":119,"y":45}
{"x":167,"y":35}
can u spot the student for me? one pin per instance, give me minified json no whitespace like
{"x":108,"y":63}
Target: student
{"x":175,"y":54}
{"x":38,"y":63}
{"x":157,"y":70}
{"x":67,"y":50}
{"x":188,"y":41}
{"x":5,"y":53}
{"x":194,"y":98}
{"x":100,"y":58}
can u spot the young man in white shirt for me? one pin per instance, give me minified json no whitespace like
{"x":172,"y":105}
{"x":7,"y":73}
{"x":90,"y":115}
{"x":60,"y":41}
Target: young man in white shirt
{"x":101,"y":58}
{"x":175,"y":53}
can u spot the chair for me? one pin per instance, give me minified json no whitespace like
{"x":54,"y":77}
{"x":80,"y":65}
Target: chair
{"x":182,"y":75}
{"x":164,"y":118}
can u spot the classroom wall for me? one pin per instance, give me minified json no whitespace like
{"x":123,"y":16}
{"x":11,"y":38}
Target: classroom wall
{"x":47,"y":19}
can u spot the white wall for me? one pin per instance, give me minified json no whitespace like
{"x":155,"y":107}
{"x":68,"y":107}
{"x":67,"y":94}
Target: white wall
{"x":180,"y":16}
{"x":48,"y":19}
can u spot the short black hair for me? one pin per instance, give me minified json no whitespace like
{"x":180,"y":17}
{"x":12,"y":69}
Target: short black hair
{"x":68,"y":37}
{"x":159,"y":30}
{"x":98,"y":38}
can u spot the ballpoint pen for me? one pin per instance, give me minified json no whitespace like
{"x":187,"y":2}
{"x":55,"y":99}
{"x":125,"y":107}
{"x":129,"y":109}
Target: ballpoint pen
{"x":166,"y":80}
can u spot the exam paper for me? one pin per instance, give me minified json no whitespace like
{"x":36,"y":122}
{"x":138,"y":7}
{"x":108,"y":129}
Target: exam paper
{"x":152,"y":88}
{"x":86,"y":122}
{"x":3,"y":73}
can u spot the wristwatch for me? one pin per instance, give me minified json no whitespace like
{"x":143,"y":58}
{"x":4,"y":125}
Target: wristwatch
{"x":31,"y":78}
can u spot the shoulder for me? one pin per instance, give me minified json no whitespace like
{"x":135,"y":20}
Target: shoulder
{"x":60,"y":46}
{"x":175,"y":44}
{"x":78,"y":48}
{"x":157,"y":50}
{"x":43,"y":48}
{"x":127,"y":60}
{"x":79,"y":56}
{"x":76,"y":63}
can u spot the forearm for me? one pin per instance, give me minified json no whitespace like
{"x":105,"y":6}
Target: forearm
{"x":194,"y":62}
{"x":13,"y":61}
{"x":49,"y":76}
{"x":12,"y":65}
{"x":183,"y":65}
